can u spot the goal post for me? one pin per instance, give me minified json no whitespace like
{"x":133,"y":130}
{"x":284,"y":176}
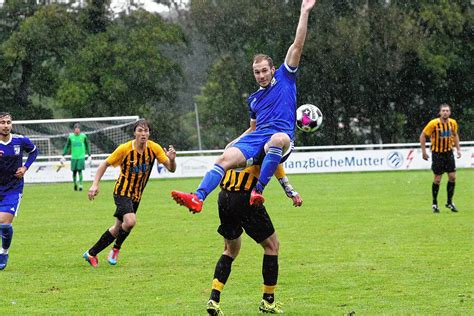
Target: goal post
{"x":50,"y":136}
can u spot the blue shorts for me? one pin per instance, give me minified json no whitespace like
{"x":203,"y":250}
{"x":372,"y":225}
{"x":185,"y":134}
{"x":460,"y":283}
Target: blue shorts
{"x":252,"y":145}
{"x":10,"y":203}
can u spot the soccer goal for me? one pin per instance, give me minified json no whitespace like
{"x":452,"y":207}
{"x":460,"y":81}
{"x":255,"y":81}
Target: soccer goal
{"x":104,"y":133}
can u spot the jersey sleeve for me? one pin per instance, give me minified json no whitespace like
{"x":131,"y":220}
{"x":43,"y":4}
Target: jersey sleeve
{"x":87,"y":145}
{"x":288,"y":71}
{"x":67,"y":146}
{"x":116,"y":158}
{"x":252,"y":114}
{"x":159,"y":152}
{"x":456,"y":126}
{"x":429,"y":128}
{"x":31,"y":150}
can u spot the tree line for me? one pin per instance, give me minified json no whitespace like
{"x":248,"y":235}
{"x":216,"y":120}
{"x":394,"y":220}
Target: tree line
{"x":377,"y":69}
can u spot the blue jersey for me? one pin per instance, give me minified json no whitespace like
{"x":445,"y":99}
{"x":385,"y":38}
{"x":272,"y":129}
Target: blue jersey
{"x":11,"y":160}
{"x":274,"y":107}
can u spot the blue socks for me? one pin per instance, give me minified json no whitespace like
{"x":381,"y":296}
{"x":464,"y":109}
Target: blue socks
{"x":6,"y":230}
{"x":269,"y":165}
{"x":210,"y":181}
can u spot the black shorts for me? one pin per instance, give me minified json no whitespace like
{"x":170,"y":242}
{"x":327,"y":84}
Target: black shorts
{"x":236,"y":214}
{"x":443,"y":162}
{"x":124,"y":205}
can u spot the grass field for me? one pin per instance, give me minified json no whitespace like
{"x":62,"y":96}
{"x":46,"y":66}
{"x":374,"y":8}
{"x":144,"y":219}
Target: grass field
{"x":362,"y":242}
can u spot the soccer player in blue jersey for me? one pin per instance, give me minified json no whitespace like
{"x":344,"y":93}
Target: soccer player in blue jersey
{"x":12,"y":170}
{"x":272,"y":123}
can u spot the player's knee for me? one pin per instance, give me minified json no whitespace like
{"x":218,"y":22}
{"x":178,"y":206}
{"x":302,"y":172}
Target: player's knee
{"x":232,"y":249}
{"x":271,"y":246}
{"x":231,"y":158}
{"x":129,"y":224}
{"x":279,"y":140}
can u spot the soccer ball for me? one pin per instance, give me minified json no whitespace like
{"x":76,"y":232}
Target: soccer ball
{"x":308,"y":118}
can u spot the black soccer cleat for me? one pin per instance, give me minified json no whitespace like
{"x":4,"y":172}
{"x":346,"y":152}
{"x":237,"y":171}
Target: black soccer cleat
{"x":435,"y":208}
{"x":452,"y":207}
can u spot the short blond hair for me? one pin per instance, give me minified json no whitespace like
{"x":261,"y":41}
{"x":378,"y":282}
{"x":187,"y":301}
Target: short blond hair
{"x":259,"y":57}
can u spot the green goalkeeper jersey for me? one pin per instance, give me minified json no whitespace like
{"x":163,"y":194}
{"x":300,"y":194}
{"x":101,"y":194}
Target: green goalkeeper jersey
{"x":79,"y":146}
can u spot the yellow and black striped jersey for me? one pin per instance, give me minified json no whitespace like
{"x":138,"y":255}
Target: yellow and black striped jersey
{"x":135,"y":168}
{"x":245,"y":179}
{"x":441,"y":134}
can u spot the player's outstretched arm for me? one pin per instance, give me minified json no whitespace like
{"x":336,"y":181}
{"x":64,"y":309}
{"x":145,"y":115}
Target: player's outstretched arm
{"x":171,"y":154}
{"x":94,"y":189}
{"x":287,"y":187}
{"x":293,"y":55}
{"x":290,"y":192}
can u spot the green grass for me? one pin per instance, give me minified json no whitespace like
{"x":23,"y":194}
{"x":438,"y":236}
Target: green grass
{"x":363,"y":242}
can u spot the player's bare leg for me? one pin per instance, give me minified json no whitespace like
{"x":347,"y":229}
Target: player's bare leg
{"x":221,"y":274}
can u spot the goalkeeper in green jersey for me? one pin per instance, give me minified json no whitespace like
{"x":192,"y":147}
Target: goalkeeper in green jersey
{"x":78,"y":144}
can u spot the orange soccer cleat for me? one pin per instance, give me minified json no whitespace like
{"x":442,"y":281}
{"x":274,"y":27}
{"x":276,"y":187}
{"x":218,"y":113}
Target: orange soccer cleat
{"x":93,"y":261}
{"x":189,"y":200}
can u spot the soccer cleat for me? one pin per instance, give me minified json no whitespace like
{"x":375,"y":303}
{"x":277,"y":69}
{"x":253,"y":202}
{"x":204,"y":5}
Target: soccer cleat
{"x":3,"y":260}
{"x":213,"y":308}
{"x":189,"y":200}
{"x":256,"y":198}
{"x":93,"y":261}
{"x":75,"y":187}
{"x":452,"y":207}
{"x":435,"y":208}
{"x":113,"y":256}
{"x":273,"y":308}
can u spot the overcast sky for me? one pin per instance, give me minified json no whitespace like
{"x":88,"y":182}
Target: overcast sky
{"x":149,"y":5}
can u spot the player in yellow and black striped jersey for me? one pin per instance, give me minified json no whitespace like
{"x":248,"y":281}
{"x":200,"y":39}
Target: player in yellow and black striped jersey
{"x":136,"y":159}
{"x":444,"y":136}
{"x":236,"y":215}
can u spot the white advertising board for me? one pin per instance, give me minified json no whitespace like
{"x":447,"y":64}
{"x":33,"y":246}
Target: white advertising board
{"x":298,"y":162}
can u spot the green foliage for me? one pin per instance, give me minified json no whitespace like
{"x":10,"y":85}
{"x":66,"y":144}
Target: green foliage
{"x":222,"y":105}
{"x":44,"y":40}
{"x":366,"y":242}
{"x":95,"y":17}
{"x":377,"y":69}
{"x":130,"y":69}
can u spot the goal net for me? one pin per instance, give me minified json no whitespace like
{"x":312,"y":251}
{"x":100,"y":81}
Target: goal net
{"x":50,"y":136}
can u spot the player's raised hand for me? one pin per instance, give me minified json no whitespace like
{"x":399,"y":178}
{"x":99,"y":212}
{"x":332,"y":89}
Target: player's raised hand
{"x":170,"y":152}
{"x":93,"y":191}
{"x":307,"y":4}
